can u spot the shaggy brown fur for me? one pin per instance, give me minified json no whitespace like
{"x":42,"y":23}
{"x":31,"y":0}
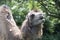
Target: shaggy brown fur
{"x":32,"y":27}
{"x":8,"y":28}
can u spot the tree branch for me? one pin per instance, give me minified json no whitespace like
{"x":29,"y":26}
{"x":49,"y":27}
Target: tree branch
{"x":49,"y":13}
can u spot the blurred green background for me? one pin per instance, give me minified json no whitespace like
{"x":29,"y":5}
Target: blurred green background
{"x":51,"y":7}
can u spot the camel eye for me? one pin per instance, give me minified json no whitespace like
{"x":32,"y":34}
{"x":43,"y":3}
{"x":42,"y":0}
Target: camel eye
{"x":8,"y":16}
{"x":5,"y":6}
{"x":32,"y":16}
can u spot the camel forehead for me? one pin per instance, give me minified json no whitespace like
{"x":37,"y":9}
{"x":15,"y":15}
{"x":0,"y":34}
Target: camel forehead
{"x":4,"y":8}
{"x":36,"y":13}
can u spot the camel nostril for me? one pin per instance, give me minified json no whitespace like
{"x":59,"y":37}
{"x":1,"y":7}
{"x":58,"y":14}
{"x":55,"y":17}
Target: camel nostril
{"x":41,"y":17}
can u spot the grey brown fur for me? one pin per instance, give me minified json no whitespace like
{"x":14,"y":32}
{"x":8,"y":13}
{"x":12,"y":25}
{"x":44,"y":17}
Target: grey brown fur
{"x":32,"y":27}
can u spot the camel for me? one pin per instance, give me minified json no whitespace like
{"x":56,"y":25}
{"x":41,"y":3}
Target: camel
{"x":8,"y":28}
{"x":32,"y":27}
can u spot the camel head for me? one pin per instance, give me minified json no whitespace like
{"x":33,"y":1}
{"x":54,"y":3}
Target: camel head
{"x":36,"y":17}
{"x":5,"y":11}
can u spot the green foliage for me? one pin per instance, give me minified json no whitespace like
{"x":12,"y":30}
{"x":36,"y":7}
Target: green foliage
{"x":51,"y":37}
{"x":51,"y":7}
